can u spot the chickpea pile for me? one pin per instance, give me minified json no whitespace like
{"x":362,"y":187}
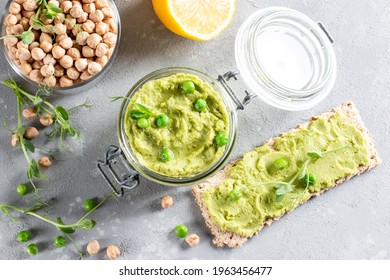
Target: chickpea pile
{"x":69,"y":49}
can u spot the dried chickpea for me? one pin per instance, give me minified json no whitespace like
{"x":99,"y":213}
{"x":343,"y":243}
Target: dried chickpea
{"x":54,"y":2}
{"x":66,"y":6}
{"x":81,"y":38}
{"x":96,"y":16}
{"x":29,"y":113}
{"x":81,"y":64}
{"x":112,"y":26}
{"x":192,"y":240}
{"x":66,"y":43}
{"x":83,"y":18}
{"x":30,"y":5}
{"x":85,"y":76}
{"x":45,"y":38}
{"x":94,"y":40}
{"x":33,"y":45}
{"x":93,"y":247}
{"x":28,"y":14}
{"x":46,"y":46}
{"x":102,"y":60}
{"x":75,"y":31}
{"x":58,"y":52}
{"x":87,"y":1}
{"x":25,"y":22}
{"x":88,"y":52}
{"x":101,"y":4}
{"x":110,"y":39}
{"x":61,"y":37}
{"x":21,"y":45}
{"x":65,"y":81}
{"x":14,"y":139}
{"x":77,"y":3}
{"x":23,"y":54}
{"x":89,"y":8}
{"x":48,"y":28}
{"x":166,"y":201}
{"x":12,"y":52}
{"x":34,"y":27}
{"x":59,"y":71}
{"x":46,"y":119}
{"x":74,"y":53}
{"x":101,"y":50}
{"x":37,"y":64}
{"x":50,"y":81}
{"x":59,"y":18}
{"x":110,"y":52}
{"x":36,"y":76}
{"x":44,"y":162}
{"x":94,"y":68}
{"x":10,"y":41}
{"x":89,"y":26}
{"x":10,"y":20}
{"x":76,"y":11}
{"x":38,"y":54}
{"x":73,"y":73}
{"x":26,"y":68}
{"x":45,"y":20}
{"x":70,"y":23}
{"x":47,"y":70}
{"x":101,"y":28}
{"x":107,"y":12}
{"x":113,"y":252}
{"x":14,"y":8}
{"x":49,"y":59}
{"x":60,"y":29}
{"x":18,"y":16}
{"x":31,"y":132}
{"x":66,"y":61}
{"x":17,"y":29}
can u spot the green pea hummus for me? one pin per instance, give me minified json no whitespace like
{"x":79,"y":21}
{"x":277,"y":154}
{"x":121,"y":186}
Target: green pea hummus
{"x":189,"y":135}
{"x":247,"y":215}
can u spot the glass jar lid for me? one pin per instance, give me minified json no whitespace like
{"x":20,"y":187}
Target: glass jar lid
{"x":286,"y":58}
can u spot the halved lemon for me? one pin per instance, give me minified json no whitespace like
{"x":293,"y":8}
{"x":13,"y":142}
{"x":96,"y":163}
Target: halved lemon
{"x":195,"y":19}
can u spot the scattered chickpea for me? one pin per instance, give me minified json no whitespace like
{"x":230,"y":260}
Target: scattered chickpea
{"x":166,"y":201}
{"x":87,"y":1}
{"x":58,"y":52}
{"x":33,"y":45}
{"x":101,"y":4}
{"x":49,"y":59}
{"x":81,"y":64}
{"x":66,"y":61}
{"x":23,"y":54}
{"x":81,"y":38}
{"x":38,"y":54}
{"x":73,"y":73}
{"x":21,"y":45}
{"x":83,"y":18}
{"x":113,"y":252}
{"x":26,"y":68}
{"x":85,"y":76}
{"x":66,"y":43}
{"x":50,"y":81}
{"x":29,"y":113}
{"x":10,"y":41}
{"x":14,"y":139}
{"x":89,"y":8}
{"x":107,"y":12}
{"x":96,"y":16}
{"x":31,"y":132}
{"x":192,"y":240}
{"x":30,"y":5}
{"x":36,"y":76}
{"x":10,"y":20}
{"x":101,"y":28}
{"x":37,"y":64}
{"x":66,"y":6}
{"x":47,"y":70}
{"x":110,"y":38}
{"x":46,"y":46}
{"x":44,"y":162}
{"x":94,"y":40}
{"x":101,"y":49}
{"x":88,"y":52}
{"x":48,"y":28}
{"x":60,"y":29}
{"x":59,"y":71}
{"x":25,"y":22}
{"x":65,"y":81}
{"x":61,"y":37}
{"x":70,"y":23}
{"x":94,"y":68}
{"x":17,"y":29}
{"x":93,"y":247}
{"x":102,"y":60}
{"x":74,"y":53}
{"x":89,"y":26}
{"x":28,"y":14}
{"x":76,"y":11}
{"x":14,"y":8}
{"x":45,"y":38}
{"x":46,"y":119}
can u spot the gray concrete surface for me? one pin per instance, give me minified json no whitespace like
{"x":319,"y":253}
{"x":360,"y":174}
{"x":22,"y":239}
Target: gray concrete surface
{"x":349,"y":222}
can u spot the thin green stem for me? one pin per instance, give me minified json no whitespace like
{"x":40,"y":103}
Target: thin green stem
{"x":93,"y":209}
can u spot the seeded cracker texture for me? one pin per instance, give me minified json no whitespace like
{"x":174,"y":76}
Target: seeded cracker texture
{"x":234,"y":240}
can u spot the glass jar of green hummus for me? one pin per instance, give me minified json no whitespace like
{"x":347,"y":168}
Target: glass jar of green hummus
{"x":191,"y":133}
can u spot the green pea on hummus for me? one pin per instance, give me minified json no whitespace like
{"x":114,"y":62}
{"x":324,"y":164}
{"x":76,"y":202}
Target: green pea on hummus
{"x":247,"y":215}
{"x":189,"y":134}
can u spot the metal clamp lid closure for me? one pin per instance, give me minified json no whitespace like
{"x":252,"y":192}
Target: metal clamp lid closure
{"x":129,"y":178}
{"x":223,"y":79}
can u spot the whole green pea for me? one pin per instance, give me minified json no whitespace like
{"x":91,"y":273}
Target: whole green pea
{"x":181,"y":230}
{"x":23,"y":236}
{"x":166,"y":154}
{"x":32,"y":249}
{"x":187,"y":86}
{"x":280,"y":163}
{"x":200,"y":105}
{"x":60,"y":241}
{"x":89,"y":204}
{"x":310,"y":179}
{"x":22,"y":189}
{"x":221,"y":139}
{"x":142,"y":123}
{"x":162,"y":120}
{"x":235,"y":194}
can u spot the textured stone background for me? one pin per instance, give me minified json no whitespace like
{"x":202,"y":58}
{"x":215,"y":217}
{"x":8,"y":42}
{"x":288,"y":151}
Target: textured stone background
{"x":349,"y":222}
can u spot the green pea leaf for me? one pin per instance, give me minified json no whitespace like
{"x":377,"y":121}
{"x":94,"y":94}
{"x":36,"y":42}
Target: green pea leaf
{"x":70,"y":131}
{"x":20,"y":130}
{"x":35,"y":207}
{"x":28,"y":145}
{"x":279,"y":198}
{"x":37,"y":100}
{"x":54,"y":8}
{"x":68,"y":230}
{"x":282,"y":189}
{"x":27,"y":37}
{"x":4,"y":210}
{"x":33,"y":170}
{"x":138,"y":114}
{"x":86,"y":224}
{"x":62,"y":112}
{"x":315,"y":154}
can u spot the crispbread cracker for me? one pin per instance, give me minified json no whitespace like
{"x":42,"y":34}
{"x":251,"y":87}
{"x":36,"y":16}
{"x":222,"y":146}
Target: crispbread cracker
{"x":231,"y":239}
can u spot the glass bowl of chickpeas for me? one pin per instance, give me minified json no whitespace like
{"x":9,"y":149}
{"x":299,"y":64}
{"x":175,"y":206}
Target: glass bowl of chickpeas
{"x":61,"y":44}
